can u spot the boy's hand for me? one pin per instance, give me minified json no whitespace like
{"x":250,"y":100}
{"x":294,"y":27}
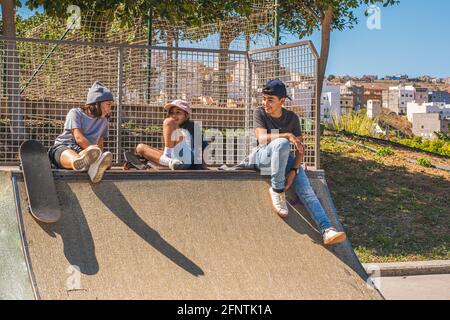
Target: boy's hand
{"x":297,"y":142}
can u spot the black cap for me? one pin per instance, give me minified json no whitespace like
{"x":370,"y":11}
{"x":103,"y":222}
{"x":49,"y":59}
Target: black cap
{"x":276,"y":88}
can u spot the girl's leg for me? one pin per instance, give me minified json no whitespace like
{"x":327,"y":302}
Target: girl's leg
{"x":149,"y":153}
{"x":70,"y":159}
{"x":67,"y":158}
{"x":158,"y":156}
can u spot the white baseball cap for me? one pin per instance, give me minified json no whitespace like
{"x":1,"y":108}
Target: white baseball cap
{"x":180,"y":104}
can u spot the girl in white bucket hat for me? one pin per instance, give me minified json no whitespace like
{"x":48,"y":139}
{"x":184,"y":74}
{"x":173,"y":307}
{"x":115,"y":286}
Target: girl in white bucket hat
{"x":178,"y":134}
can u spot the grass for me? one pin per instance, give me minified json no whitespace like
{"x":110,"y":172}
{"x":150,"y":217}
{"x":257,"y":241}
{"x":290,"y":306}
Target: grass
{"x":392,"y":210}
{"x":384,"y":152}
{"x":424,"y":162}
{"x":439,"y":146}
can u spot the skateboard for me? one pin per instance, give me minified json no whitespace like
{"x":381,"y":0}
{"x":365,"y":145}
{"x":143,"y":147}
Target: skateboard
{"x":132,"y":161}
{"x":43,"y":200}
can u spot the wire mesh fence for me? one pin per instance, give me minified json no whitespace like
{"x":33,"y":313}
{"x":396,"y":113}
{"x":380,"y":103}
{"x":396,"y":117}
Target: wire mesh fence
{"x":41,"y":80}
{"x":296,"y":66}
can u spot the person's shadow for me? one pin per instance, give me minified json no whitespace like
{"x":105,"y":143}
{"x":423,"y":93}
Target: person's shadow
{"x":114,"y":200}
{"x":73,"y":228}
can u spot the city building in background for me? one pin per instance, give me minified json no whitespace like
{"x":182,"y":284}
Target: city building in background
{"x":373,"y":108}
{"x":439,"y":96}
{"x":356,"y":92}
{"x":330,"y":102}
{"x":421,"y":95}
{"x":372,"y":93}
{"x":429,"y":107}
{"x":426,"y":124}
{"x":346,"y":104}
{"x":398,"y":97}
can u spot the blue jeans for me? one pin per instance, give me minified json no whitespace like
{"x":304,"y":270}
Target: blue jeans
{"x":276,"y":159}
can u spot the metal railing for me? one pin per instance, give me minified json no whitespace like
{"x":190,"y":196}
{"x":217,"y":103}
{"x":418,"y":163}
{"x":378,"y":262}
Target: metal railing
{"x":221,"y":85}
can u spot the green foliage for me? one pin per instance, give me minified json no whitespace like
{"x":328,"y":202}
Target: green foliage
{"x":303,"y":17}
{"x":357,"y":123}
{"x":54,"y":29}
{"x":384,"y":152}
{"x":129,"y":125}
{"x":424,"y":162}
{"x":441,"y":147}
{"x":444,"y":136}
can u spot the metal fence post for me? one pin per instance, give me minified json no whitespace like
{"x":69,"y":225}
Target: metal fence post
{"x":119,"y":105}
{"x":248,"y":105}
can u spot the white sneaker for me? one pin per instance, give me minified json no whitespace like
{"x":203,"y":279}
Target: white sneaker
{"x":279,"y":203}
{"x":175,"y":164}
{"x":89,"y":156}
{"x":332,"y":236}
{"x":98,"y":168}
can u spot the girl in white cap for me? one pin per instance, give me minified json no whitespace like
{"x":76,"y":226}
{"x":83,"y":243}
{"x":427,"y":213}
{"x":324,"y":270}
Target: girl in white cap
{"x":80,"y":146}
{"x":178,"y":134}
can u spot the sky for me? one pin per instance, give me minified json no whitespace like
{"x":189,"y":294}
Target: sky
{"x":413,"y":39}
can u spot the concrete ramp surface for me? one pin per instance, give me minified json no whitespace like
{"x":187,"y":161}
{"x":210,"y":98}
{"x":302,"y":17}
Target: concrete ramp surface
{"x":184,"y":236}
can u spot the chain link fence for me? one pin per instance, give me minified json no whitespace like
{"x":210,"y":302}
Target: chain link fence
{"x":41,"y":80}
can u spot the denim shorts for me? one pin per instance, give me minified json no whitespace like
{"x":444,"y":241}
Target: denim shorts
{"x":55,"y":151}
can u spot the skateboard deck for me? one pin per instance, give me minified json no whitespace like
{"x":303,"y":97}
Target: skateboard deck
{"x":40,"y":186}
{"x":133,"y":161}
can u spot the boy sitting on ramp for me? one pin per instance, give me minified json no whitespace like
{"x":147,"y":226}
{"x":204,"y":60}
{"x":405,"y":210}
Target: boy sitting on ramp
{"x":276,"y":128}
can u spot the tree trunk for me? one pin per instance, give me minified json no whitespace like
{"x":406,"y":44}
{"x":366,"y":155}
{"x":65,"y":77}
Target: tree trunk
{"x":323,"y":60}
{"x":324,"y":49}
{"x":12,"y":71}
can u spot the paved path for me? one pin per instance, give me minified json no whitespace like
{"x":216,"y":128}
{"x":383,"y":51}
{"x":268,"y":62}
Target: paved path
{"x":428,"y":287}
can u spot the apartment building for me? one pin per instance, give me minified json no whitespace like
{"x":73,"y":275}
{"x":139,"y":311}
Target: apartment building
{"x":439,"y":96}
{"x":421,"y":95}
{"x":357,"y":92}
{"x":330,"y":102}
{"x":346,"y":104}
{"x":302,"y":94}
{"x":429,"y":107}
{"x":372,"y":93}
{"x":373,"y":108}
{"x":397,"y":98}
{"x":425,"y":124}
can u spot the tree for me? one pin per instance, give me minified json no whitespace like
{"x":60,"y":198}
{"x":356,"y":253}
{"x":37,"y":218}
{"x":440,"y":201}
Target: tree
{"x":304,"y":17}
{"x":12,"y":69}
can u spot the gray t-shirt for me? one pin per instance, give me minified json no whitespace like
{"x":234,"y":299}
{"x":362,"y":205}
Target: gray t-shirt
{"x":287,"y":123}
{"x":93,"y":128}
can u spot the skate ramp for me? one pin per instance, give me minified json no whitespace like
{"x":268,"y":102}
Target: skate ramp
{"x":184,"y":236}
{"x":15,"y":282}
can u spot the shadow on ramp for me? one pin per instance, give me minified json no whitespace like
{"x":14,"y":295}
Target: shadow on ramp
{"x":300,"y":221}
{"x":79,"y":247}
{"x":113,"y":199}
{"x":343,"y":251}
